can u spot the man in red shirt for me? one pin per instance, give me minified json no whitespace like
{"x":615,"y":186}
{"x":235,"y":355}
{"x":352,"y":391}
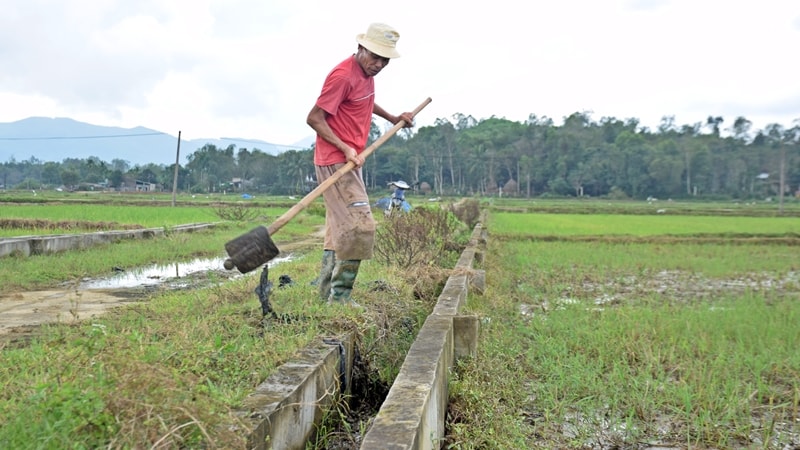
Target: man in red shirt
{"x":341,"y":117}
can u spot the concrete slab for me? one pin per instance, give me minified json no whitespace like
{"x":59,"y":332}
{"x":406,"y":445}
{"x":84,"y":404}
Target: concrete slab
{"x":465,"y":336}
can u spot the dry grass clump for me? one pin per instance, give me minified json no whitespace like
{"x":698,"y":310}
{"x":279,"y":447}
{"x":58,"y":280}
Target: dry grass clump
{"x":182,"y":425}
{"x":427,"y":281}
{"x":467,"y":210}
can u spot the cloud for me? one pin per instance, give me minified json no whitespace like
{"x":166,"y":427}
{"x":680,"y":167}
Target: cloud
{"x":95,"y":61}
{"x":646,"y":5}
{"x":253,"y":68}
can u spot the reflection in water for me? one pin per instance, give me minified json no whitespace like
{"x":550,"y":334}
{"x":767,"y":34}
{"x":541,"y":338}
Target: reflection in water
{"x":162,"y":273}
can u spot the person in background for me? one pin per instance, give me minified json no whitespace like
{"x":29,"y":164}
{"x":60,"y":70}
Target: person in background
{"x":398,"y":199}
{"x":341,"y":118}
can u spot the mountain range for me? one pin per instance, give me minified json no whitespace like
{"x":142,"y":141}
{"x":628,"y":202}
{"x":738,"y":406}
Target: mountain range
{"x":56,"y":139}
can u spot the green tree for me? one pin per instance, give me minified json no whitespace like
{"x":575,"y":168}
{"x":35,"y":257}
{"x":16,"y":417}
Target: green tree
{"x":51,"y":174}
{"x":116,"y":178}
{"x":70,"y":178}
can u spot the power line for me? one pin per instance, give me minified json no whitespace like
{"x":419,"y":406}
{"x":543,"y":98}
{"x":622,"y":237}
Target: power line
{"x":251,"y":141}
{"x":49,"y":138}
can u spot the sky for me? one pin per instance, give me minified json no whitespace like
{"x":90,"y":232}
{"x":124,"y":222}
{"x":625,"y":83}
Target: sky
{"x":252,"y":69}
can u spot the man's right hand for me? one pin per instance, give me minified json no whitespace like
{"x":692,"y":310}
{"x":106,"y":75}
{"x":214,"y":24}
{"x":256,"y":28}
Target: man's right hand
{"x":353,"y":157}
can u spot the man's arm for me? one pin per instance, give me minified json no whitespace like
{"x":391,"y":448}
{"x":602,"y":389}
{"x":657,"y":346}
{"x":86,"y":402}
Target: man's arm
{"x":317,"y":120}
{"x":407,"y":116}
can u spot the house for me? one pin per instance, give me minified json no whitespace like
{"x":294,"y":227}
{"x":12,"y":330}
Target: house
{"x":144,"y":186}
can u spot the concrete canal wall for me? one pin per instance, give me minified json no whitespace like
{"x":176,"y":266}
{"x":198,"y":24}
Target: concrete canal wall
{"x":43,"y":244}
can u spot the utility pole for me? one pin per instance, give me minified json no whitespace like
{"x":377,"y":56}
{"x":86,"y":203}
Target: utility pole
{"x":782,"y":177}
{"x":175,"y":175}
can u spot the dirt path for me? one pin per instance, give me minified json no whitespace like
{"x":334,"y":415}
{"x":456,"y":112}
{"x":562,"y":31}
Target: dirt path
{"x":22,"y":311}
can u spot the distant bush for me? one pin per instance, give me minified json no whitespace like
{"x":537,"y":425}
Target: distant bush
{"x":236,"y":212}
{"x":617,"y":194}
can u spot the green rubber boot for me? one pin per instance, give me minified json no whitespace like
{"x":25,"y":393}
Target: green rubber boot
{"x":325,"y":272}
{"x":342,"y":280}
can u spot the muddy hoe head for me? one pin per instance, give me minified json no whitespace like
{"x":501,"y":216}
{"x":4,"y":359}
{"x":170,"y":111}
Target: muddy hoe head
{"x":250,"y":250}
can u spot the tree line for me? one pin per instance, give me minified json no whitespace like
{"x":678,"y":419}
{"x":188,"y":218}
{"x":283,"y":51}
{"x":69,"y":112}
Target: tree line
{"x":494,"y":156}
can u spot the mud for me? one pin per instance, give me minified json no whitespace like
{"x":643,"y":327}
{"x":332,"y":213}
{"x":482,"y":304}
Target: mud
{"x":21,"y":313}
{"x":677,"y":287}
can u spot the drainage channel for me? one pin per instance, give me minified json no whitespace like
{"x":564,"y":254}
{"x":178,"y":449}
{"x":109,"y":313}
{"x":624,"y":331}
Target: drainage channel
{"x":285,"y":411}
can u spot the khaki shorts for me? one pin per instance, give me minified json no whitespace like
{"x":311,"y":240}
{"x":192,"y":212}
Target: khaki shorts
{"x":350,"y":227}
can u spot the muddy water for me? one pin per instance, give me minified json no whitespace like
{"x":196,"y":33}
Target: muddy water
{"x":22,"y":312}
{"x":173,"y":273}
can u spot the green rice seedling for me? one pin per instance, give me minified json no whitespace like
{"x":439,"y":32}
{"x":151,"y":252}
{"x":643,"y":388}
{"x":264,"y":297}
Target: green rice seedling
{"x":694,"y":364}
{"x":571,"y":261}
{"x":639,"y":225}
{"x":146,"y":216}
{"x":26,"y":219}
{"x":684,"y":207}
{"x":20,"y":272}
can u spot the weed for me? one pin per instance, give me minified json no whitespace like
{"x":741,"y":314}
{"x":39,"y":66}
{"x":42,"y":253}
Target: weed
{"x":315,"y":209}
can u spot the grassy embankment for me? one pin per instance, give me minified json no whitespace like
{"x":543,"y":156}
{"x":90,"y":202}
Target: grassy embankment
{"x":169,"y":371}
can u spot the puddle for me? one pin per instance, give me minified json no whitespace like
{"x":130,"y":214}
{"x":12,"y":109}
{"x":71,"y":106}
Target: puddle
{"x":153,"y":275}
{"x":174,"y":274}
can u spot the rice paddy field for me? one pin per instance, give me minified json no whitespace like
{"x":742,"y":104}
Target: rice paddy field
{"x":624,"y":325}
{"x":645,"y":331}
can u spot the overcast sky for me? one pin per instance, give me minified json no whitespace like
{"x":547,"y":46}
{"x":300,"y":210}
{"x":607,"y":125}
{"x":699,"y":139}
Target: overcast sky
{"x":253,"y":68}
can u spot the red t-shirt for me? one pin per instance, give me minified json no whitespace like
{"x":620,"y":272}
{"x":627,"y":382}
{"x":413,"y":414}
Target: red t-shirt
{"x":348,"y":96}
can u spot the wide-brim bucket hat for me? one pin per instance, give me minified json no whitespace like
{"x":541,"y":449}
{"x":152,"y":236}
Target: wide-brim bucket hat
{"x":380,"y":39}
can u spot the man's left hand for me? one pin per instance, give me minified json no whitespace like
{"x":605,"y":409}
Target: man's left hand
{"x":408,"y":118}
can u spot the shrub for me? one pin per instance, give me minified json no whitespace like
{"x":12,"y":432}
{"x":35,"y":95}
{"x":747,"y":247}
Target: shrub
{"x":420,"y":236}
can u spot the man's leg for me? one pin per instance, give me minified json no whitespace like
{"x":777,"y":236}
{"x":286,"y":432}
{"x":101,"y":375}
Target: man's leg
{"x":325,"y":273}
{"x":342,"y":280}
